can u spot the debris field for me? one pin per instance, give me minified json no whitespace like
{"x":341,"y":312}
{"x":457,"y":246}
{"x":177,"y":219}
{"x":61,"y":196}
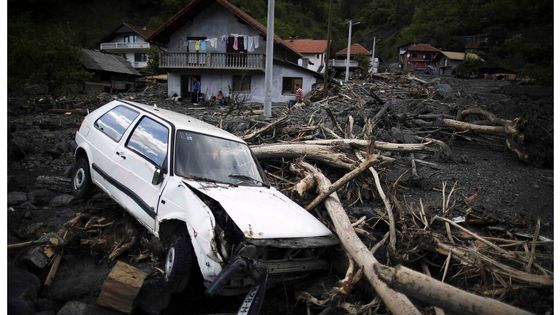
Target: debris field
{"x":440,"y":191}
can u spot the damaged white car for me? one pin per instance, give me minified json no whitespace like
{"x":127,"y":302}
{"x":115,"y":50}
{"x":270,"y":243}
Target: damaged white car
{"x":200,"y":190}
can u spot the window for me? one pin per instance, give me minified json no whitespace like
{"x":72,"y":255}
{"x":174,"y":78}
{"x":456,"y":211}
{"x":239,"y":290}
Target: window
{"x":140,"y":57}
{"x":149,"y":140}
{"x":130,"y":38}
{"x":215,"y":159}
{"x":241,"y":83}
{"x":289,"y":85}
{"x":115,"y":122}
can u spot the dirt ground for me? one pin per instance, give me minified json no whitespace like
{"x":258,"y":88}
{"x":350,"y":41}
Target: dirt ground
{"x":40,"y":143}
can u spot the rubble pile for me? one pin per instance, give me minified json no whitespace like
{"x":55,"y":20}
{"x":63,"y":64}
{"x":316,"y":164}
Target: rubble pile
{"x":403,"y":169}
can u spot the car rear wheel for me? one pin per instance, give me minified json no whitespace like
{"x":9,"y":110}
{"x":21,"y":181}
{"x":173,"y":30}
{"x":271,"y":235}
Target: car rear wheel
{"x":82,"y":186}
{"x":178,"y":262}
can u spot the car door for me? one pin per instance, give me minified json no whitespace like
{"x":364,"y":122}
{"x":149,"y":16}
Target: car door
{"x":145,"y":150}
{"x":108,"y":130}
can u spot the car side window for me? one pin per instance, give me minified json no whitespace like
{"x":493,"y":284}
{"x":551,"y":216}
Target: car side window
{"x":149,"y":139}
{"x":115,"y":122}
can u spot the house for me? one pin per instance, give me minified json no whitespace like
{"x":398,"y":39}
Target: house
{"x":420,"y":57}
{"x":355,"y":50}
{"x":110,"y":72}
{"x":449,"y":60}
{"x":314,"y":52}
{"x":224,"y":48}
{"x":129,"y":41}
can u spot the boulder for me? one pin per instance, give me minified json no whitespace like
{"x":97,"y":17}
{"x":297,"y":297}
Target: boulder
{"x":61,"y":200}
{"x":40,"y":197}
{"x":34,"y":257}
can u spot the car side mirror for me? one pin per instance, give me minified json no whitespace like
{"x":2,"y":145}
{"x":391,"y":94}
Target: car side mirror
{"x":158,"y":177}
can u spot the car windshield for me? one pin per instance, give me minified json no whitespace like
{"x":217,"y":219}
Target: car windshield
{"x":210,"y":158}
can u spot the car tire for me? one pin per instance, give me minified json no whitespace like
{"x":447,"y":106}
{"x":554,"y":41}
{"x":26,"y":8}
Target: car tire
{"x":82,"y":186}
{"x":178,"y":262}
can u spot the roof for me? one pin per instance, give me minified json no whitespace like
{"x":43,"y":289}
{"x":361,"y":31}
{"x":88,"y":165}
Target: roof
{"x":453,"y":55}
{"x":355,"y":49}
{"x":309,"y":46}
{"x":423,"y":47}
{"x":161,"y":35}
{"x":141,"y":31}
{"x":98,"y":61}
{"x":184,"y":122}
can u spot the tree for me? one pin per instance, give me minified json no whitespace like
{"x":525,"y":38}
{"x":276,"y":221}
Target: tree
{"x":43,"y":55}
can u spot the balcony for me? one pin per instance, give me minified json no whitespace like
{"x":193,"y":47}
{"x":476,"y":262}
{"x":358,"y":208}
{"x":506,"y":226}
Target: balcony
{"x":228,"y":61}
{"x":123,"y":46}
{"x":342,"y":63}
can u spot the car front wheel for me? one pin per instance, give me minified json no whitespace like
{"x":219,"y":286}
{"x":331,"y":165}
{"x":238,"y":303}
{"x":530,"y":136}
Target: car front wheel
{"x":178,"y":262}
{"x":82,"y":186}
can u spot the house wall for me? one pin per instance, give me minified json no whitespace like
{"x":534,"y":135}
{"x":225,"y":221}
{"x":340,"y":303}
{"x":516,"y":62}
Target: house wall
{"x":128,"y":53}
{"x":214,"y":81}
{"x":317,"y":61}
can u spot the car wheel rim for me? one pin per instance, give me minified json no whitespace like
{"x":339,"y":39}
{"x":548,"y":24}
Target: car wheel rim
{"x":79,"y":178}
{"x":169,"y":261}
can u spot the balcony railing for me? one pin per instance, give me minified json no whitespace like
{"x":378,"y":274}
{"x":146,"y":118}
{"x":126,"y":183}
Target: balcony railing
{"x":109,"y":46}
{"x":234,"y":61}
{"x":342,"y":63}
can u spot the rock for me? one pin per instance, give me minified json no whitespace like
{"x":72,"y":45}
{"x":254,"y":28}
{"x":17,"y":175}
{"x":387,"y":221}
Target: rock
{"x":45,"y":313}
{"x":40,"y":196}
{"x":444,"y":90}
{"x":152,"y":298}
{"x":79,"y":308}
{"x":22,"y":291}
{"x":61,"y":200}
{"x":16,"y":198}
{"x":30,"y":232}
{"x":78,"y":276}
{"x":34,"y":257}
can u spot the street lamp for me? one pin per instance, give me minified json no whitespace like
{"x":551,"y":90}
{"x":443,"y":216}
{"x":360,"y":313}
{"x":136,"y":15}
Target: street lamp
{"x":350,"y":24}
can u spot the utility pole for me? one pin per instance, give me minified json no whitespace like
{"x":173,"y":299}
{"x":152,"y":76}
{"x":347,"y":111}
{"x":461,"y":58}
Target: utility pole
{"x":328,"y":56}
{"x":348,"y":49}
{"x":269,"y":56}
{"x":373,"y":54}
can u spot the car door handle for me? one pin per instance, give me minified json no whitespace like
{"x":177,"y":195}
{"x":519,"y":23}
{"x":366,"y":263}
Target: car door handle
{"x":121,"y":154}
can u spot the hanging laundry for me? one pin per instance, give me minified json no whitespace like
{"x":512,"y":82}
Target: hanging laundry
{"x":256,"y":41}
{"x":202,"y":46}
{"x":235,"y":42}
{"x":197,"y":46}
{"x":241,"y":46}
{"x":190,"y":45}
{"x":213,"y":42}
{"x":250,"y":44}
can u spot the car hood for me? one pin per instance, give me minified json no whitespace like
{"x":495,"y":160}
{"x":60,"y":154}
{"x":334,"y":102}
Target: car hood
{"x":261,"y":212}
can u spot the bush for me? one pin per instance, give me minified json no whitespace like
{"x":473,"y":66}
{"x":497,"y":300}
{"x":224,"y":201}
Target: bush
{"x":469,"y":68}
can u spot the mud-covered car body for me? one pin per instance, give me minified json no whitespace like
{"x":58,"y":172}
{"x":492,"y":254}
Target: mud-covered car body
{"x":174,"y":173}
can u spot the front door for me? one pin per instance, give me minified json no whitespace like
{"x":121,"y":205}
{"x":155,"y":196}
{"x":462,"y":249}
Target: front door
{"x":145,"y":151}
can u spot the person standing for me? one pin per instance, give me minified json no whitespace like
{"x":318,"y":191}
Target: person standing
{"x":299,"y":94}
{"x":195,"y":91}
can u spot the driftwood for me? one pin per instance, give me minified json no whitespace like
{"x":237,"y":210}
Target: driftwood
{"x":264,"y":129}
{"x":381,"y":145}
{"x":396,"y":302}
{"x":429,"y":290}
{"x":121,"y":287}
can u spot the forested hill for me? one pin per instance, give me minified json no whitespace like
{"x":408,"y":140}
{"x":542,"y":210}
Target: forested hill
{"x":520,"y":32}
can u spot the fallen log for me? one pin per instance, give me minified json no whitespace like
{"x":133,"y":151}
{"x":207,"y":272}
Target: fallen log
{"x":326,"y":191}
{"x":465,"y":126}
{"x":319,"y":153}
{"x":57,"y":183}
{"x":397,"y":303}
{"x":381,"y":145}
{"x":440,"y":294}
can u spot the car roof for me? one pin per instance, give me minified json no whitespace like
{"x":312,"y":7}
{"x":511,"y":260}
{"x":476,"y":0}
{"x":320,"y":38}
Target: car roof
{"x":184,"y":122}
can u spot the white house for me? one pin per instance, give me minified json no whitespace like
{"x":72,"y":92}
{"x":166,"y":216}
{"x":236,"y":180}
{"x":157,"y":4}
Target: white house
{"x":314,"y":52}
{"x":130,"y":42}
{"x":223,"y":47}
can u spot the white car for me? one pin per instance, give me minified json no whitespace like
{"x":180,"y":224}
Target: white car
{"x":202,"y":192}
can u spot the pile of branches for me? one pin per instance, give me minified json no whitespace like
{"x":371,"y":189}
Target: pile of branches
{"x":328,"y":154}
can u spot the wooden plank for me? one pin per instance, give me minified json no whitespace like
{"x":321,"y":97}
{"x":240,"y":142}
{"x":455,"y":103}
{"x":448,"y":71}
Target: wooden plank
{"x":121,"y":287}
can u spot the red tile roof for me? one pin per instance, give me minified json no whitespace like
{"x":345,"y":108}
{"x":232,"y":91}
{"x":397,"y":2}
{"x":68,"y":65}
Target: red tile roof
{"x":423,"y":47}
{"x":176,"y":21}
{"x":308,"y":46}
{"x":142,"y":31}
{"x":355,"y":49}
